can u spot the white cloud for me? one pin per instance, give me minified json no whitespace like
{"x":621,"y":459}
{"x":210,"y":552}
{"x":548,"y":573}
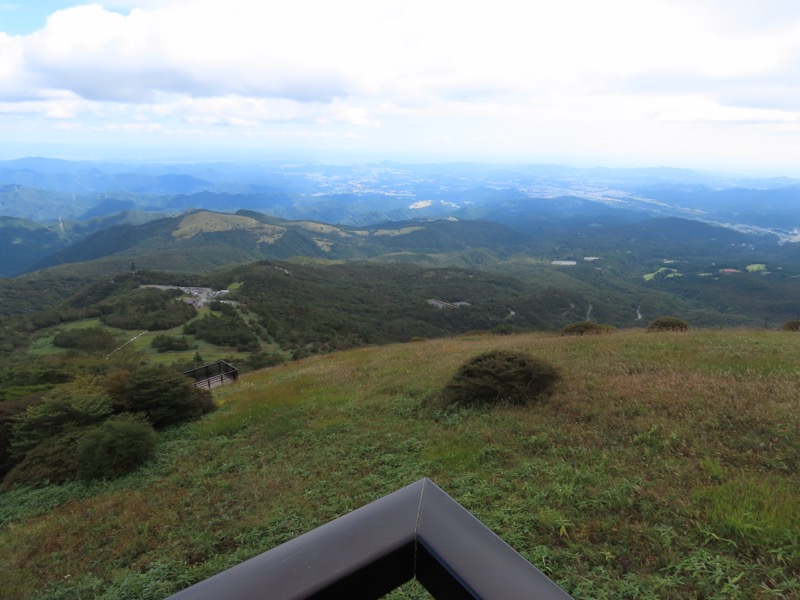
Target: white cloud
{"x":707,"y":111}
{"x":12,"y":69}
{"x":518,"y":77}
{"x":311,"y":50}
{"x":149,"y":127}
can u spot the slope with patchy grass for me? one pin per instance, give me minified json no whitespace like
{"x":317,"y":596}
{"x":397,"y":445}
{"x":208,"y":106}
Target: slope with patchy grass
{"x":663,"y":466}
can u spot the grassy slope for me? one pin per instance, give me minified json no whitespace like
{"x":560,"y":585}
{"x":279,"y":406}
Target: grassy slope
{"x":665,"y":466}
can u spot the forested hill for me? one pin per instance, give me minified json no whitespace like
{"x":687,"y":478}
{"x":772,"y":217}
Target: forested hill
{"x":201,"y":239}
{"x":614,"y":272}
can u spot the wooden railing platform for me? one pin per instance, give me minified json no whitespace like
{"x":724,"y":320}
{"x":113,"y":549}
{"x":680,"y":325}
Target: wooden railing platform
{"x":213,"y":374}
{"x":417,"y":532}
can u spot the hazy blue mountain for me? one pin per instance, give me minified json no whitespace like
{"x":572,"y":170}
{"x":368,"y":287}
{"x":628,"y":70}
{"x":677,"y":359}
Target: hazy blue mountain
{"x":94,"y":180}
{"x":108,"y":207}
{"x":23,"y":243}
{"x":359,"y":194}
{"x":40,"y":205}
{"x":772,"y":208}
{"x":593,"y":209}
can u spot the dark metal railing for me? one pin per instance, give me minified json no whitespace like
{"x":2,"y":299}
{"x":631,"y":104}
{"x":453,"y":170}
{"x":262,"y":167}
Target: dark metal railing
{"x":416,"y":532}
{"x":213,"y":374}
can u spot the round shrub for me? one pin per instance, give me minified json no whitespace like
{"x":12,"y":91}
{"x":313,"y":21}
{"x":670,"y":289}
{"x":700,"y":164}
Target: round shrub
{"x":501,"y":376}
{"x":587,"y":328}
{"x":10,"y":410}
{"x":793,"y":325}
{"x":51,"y":461}
{"x":74,"y":405}
{"x":668,"y":324}
{"x":165,"y":396}
{"x":117,"y":446}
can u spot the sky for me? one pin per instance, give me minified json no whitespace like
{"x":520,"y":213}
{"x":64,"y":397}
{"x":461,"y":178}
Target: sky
{"x":707,"y":84}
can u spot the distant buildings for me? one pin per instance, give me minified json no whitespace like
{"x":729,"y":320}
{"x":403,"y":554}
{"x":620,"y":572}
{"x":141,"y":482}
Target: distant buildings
{"x":442,"y":304}
{"x":572,"y":263}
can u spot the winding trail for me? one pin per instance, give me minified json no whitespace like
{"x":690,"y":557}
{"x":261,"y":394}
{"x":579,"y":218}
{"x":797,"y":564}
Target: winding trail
{"x":136,"y":337}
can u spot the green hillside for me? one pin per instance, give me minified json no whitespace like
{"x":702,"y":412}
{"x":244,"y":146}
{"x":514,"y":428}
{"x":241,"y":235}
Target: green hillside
{"x":293,"y":309}
{"x":191,"y":241}
{"x":663,"y":466}
{"x":304,"y":307}
{"x":618,"y":273}
{"x":623,"y":273}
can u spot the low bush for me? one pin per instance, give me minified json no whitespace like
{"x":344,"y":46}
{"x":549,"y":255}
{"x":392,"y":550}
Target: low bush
{"x":117,"y":446}
{"x":668,"y":324}
{"x":504,"y":329}
{"x":165,"y":396}
{"x":587,"y":328}
{"x":793,"y":325}
{"x":44,"y":431}
{"x":54,"y":460}
{"x":86,"y":428}
{"x":170,"y":343}
{"x":225,"y":330}
{"x":501,"y":376}
{"x":261,"y":360}
{"x":92,"y":339}
{"x":9,"y":412}
{"x":67,"y":407}
{"x":226,"y":308}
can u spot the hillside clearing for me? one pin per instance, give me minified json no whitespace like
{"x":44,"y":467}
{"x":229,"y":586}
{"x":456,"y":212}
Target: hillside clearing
{"x":664,"y":466}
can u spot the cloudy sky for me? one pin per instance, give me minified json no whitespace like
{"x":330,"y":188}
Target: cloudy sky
{"x":695,"y":83}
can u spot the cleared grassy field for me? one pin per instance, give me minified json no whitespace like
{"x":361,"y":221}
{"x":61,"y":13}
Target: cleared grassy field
{"x":141,"y":341}
{"x":665,"y":465}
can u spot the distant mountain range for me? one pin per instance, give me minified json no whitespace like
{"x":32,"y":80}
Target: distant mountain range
{"x":619,"y":239}
{"x":45,"y":190}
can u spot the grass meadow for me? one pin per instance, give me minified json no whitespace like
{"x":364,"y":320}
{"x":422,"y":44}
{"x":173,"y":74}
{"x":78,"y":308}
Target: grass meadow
{"x":665,"y":465}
